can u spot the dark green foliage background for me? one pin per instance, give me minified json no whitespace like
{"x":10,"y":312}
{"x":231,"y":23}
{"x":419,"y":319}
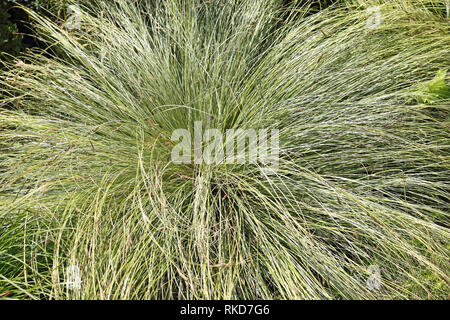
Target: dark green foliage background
{"x":15,"y":30}
{"x":10,"y":40}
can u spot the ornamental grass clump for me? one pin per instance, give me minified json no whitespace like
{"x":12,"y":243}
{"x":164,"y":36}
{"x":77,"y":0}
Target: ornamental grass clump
{"x":92,"y":205}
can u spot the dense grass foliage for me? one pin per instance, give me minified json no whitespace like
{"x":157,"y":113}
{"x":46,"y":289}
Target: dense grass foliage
{"x":10,"y":40}
{"x":86,"y":177}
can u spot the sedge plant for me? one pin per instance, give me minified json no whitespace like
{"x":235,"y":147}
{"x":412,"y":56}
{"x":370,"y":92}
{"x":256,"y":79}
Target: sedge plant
{"x":92,"y":206}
